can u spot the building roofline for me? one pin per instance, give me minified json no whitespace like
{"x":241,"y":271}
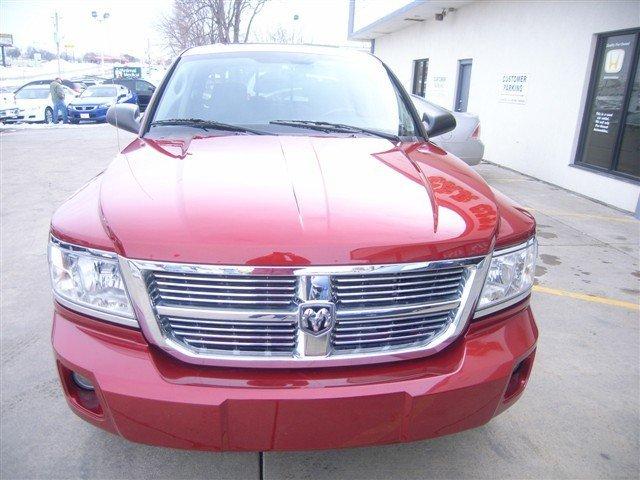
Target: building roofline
{"x":372,"y":30}
{"x":360,"y":34}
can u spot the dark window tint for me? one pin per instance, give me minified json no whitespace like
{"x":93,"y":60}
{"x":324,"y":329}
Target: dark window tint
{"x":610,"y":136}
{"x":143,"y":87}
{"x":420,"y":70}
{"x":127,"y":83}
{"x":629,"y":156}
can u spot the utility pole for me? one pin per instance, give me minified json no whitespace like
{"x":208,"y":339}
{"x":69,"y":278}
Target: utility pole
{"x":56,"y":36}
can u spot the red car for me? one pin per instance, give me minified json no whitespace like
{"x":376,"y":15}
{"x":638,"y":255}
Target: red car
{"x":281,"y":260}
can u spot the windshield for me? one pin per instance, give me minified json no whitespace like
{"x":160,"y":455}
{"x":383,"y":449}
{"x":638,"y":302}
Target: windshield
{"x":99,"y":92}
{"x":33,"y":93}
{"x":256,"y":88}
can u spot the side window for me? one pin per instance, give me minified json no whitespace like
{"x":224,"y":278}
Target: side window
{"x":406,"y":125}
{"x":420,"y":70}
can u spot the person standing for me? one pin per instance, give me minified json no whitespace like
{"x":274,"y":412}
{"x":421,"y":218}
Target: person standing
{"x":57,"y":96}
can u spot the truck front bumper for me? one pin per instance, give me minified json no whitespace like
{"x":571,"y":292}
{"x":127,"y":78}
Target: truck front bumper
{"x":146,"y":396}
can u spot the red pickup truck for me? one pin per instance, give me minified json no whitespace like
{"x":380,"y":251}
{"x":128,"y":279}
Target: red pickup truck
{"x":281,"y":260}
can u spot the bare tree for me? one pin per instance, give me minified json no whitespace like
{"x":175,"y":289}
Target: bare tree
{"x":200,"y":22}
{"x":278,"y":34}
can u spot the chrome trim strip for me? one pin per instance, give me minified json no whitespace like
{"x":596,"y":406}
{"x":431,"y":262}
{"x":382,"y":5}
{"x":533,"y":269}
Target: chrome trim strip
{"x":226,"y":314}
{"x":345,"y":301}
{"x":371,"y":323}
{"x":133,"y":273}
{"x":399,"y":309}
{"x":109,"y":317}
{"x":515,"y":248}
{"x":237,"y":324}
{"x":77,"y":249}
{"x":392,"y":268}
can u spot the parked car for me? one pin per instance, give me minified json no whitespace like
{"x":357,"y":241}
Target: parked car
{"x":35,"y":105}
{"x":93,"y":103}
{"x":261,"y":271}
{"x":463,"y":141}
{"x":88,"y":80}
{"x":75,"y":86}
{"x":8,"y":108}
{"x":143,"y":89}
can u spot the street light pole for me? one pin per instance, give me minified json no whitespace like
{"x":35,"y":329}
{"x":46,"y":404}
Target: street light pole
{"x":101,"y":18}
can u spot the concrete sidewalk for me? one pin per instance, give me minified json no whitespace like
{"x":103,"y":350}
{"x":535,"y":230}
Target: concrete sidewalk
{"x":579,"y":417}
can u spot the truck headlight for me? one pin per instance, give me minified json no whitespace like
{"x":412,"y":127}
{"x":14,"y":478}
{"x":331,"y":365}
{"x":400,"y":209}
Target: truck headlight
{"x":90,"y":282}
{"x":509,"y":279}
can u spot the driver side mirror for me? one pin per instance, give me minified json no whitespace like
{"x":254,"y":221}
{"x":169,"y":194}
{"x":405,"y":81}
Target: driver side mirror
{"x":437,"y":120}
{"x":125,"y":116}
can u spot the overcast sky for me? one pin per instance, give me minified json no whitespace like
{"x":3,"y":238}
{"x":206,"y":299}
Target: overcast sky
{"x":132,"y":23}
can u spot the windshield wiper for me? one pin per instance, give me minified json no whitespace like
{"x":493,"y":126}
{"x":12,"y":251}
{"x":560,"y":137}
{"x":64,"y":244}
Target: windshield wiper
{"x":336,"y":127}
{"x":206,"y":125}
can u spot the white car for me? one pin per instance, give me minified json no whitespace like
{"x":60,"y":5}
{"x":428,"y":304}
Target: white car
{"x":35,"y":105}
{"x":8,"y":107}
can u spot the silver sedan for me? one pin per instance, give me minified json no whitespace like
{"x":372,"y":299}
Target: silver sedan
{"x":464,"y":141}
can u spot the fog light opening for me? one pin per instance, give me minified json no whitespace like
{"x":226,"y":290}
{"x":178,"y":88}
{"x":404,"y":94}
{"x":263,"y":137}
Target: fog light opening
{"x":82,"y":382}
{"x":519,"y":378}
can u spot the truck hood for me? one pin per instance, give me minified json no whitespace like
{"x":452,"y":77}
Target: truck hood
{"x":294,"y":200}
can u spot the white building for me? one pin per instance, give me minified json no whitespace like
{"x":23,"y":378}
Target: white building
{"x":556,"y":83}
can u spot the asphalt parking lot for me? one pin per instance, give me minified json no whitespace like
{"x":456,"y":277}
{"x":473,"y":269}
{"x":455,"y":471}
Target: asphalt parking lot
{"x":579,"y":417}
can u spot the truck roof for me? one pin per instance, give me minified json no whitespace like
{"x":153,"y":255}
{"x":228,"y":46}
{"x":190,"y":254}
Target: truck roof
{"x":269,"y":47}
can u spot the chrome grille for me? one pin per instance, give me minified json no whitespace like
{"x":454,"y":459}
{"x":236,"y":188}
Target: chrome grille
{"x":233,"y":336}
{"x":385,"y":311}
{"x":413,"y":287}
{"x":217,"y":293}
{"x":222,"y":291}
{"x":227,"y":315}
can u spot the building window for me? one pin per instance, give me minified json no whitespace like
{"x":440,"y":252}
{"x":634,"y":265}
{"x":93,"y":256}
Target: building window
{"x":610,"y":135}
{"x":420,"y":69}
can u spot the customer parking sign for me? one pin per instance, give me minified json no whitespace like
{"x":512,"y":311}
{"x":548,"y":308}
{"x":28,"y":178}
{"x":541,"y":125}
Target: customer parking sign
{"x":512,"y":88}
